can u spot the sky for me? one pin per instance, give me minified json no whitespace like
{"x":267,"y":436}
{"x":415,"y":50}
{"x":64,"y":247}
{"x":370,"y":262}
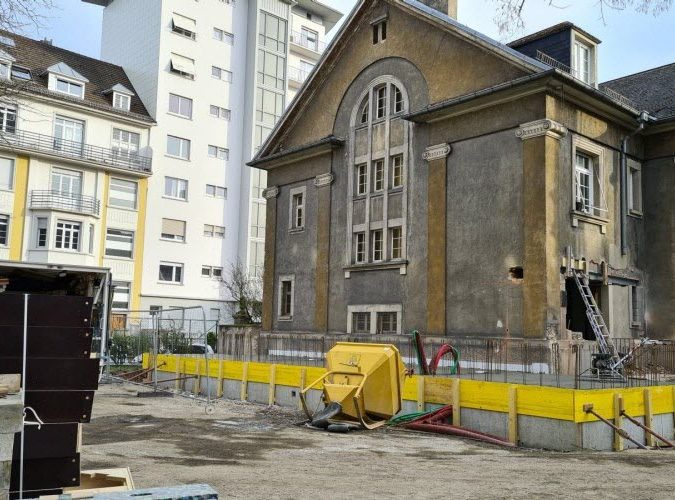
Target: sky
{"x":632,"y":42}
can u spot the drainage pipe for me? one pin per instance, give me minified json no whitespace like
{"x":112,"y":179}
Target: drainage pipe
{"x":623,"y":180}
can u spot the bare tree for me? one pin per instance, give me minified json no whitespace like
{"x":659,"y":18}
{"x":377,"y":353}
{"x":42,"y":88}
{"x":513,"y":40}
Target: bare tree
{"x":509,"y":15}
{"x":17,"y":15}
{"x":246,"y":294}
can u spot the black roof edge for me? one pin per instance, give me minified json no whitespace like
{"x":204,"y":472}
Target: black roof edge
{"x":328,"y":140}
{"x":551,"y":30}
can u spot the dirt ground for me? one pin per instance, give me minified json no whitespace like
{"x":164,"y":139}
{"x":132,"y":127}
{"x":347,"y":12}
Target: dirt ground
{"x":252,"y":451}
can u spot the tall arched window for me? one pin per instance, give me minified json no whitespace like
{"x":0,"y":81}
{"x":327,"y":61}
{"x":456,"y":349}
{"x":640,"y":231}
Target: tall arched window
{"x":377,"y":194}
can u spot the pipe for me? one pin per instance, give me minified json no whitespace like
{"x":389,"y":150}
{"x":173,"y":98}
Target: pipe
{"x":24,"y":380}
{"x":621,"y":432}
{"x":647,"y":429}
{"x":623,"y":179}
{"x":458,"y":431}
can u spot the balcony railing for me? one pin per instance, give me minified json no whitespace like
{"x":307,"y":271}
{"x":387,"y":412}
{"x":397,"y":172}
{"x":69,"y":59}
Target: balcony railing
{"x":309,"y":42}
{"x":21,"y":139}
{"x":297,"y":74}
{"x":57,"y":200}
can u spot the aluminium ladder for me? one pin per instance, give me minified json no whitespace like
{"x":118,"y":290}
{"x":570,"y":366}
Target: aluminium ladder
{"x":613,"y":362}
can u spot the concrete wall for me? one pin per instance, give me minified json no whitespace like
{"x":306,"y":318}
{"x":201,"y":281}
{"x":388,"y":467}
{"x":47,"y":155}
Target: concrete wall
{"x":11,"y":417}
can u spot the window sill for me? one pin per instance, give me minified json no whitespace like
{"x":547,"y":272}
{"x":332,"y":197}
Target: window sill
{"x":297,"y":230}
{"x":285,"y":318}
{"x":401,"y":265}
{"x":189,"y":118}
{"x":174,"y":199}
{"x":635,"y":213}
{"x":169,"y":283}
{"x":126,"y":209}
{"x":123,"y":259}
{"x":176,"y":157}
{"x":172,"y":241}
{"x":589,"y":219}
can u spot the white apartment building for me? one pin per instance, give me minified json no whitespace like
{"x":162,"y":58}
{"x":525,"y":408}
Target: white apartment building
{"x":74,"y":163}
{"x":213,"y":74}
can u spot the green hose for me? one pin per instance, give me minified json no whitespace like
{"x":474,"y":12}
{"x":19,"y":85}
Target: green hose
{"x":408,"y":417}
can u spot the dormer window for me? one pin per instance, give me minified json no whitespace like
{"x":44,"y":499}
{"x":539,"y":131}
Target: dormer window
{"x":583,"y":59}
{"x":5,"y":65}
{"x":20,"y":73}
{"x":65,"y":80}
{"x":70,"y":88}
{"x":121,"y":97}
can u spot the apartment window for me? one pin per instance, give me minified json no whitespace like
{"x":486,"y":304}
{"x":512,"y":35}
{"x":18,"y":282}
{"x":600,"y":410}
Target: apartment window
{"x":378,"y":178}
{"x":216,"y":191}
{"x":584,"y":183}
{"x":181,"y":106}
{"x":365,"y":112}
{"x":121,"y":101}
{"x":170,"y":272}
{"x":68,"y":235}
{"x":223,"y":36}
{"x":41,"y":236}
{"x":212,"y":272}
{"x":397,"y":171}
{"x":360,"y":251}
{"x":173,"y":230}
{"x":218,"y":152}
{"x":68,"y":134}
{"x":119,"y":243}
{"x":309,"y":39}
{"x":183,"y":66}
{"x":297,"y":208}
{"x":92,"y":230}
{"x":362,"y":179}
{"x":175,"y":188}
{"x":398,"y":99}
{"x":66,"y":183}
{"x":377,"y":245}
{"x":184,"y":26}
{"x":4,"y":70}
{"x":122,"y":193}
{"x":396,"y":243}
{"x":635,"y":309}
{"x":379,"y":32}
{"x":7,"y":119}
{"x":261,"y":134}
{"x":272,"y":32}
{"x":221,"y":74}
{"x":582,"y":62}
{"x":4,"y":229}
{"x":6,"y":174}
{"x":70,"y":88}
{"x":381,"y":102}
{"x":218,"y":112}
{"x":121,"y":295}
{"x":21,"y":73}
{"x":125,"y":143}
{"x":286,"y":297}
{"x":178,"y":147}
{"x":269,"y":106}
{"x":212,"y":231}
{"x":635,"y":189}
{"x":271,"y":69}
{"x":258,"y":221}
{"x":256,"y":260}
{"x":387,"y":322}
{"x":360,"y":322}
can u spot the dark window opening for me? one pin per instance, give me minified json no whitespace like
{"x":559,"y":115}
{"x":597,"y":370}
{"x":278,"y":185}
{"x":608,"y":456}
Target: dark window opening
{"x":576,"y":319}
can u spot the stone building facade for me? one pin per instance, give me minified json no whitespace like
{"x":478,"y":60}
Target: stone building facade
{"x":431,"y":178}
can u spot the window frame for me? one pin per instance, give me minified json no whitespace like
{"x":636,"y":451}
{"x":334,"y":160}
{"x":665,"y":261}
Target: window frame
{"x":7,"y":110}
{"x":7,"y":226}
{"x":179,"y":99}
{"x":186,"y":183}
{"x":41,"y":239}
{"x":221,"y":153}
{"x":71,"y":233}
{"x":175,"y":266}
{"x":132,"y":249}
{"x":70,"y":82}
{"x":222,"y":113}
{"x":296,"y":212}
{"x":124,"y":285}
{"x":110,"y":198}
{"x":215,"y":191}
{"x":283,"y":313}
{"x":373,"y":310}
{"x":635,"y":171}
{"x":175,"y":238}
{"x":182,"y":142}
{"x":121,"y":98}
{"x":599,"y":213}
{"x":12,"y":163}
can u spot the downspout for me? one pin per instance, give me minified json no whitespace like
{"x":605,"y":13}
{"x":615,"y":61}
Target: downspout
{"x":642,"y":119}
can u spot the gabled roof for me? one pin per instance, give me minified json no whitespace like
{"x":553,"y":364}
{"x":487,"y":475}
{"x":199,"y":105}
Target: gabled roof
{"x":42,"y":57}
{"x":119,"y":88}
{"x":431,"y":15}
{"x":653,"y":90}
{"x":552,"y":30}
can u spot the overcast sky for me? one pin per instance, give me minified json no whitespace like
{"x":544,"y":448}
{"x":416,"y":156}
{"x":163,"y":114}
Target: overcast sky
{"x":631,"y":42}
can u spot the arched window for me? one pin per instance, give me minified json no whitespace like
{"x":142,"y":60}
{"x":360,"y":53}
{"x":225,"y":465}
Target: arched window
{"x":377,"y":194}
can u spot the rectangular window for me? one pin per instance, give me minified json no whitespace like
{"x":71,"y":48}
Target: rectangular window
{"x":7,"y":119}
{"x":218,"y":152}
{"x":387,"y":322}
{"x":635,"y":190}
{"x":397,"y":171}
{"x":68,"y":135}
{"x":181,"y":106}
{"x":70,"y":88}
{"x":4,"y":229}
{"x":582,"y":62}
{"x":175,"y":188}
{"x":119,"y":243}
{"x":178,"y":147}
{"x":398,"y":100}
{"x":216,"y":191}
{"x":212,"y":272}
{"x":68,"y":235}
{"x":584,"y":183}
{"x":184,"y":26}
{"x":396,"y":243}
{"x":121,"y":294}
{"x":271,"y":69}
{"x":66,"y":183}
{"x":125,"y":143}
{"x":378,"y":178}
{"x":635,"y":309}
{"x":376,"y":245}
{"x":212,"y":231}
{"x":309,"y":39}
{"x":256,"y":258}
{"x":272,"y":32}
{"x":258,"y":221}
{"x":218,"y":112}
{"x":361,"y":179}
{"x":41,"y":236}
{"x":121,"y":101}
{"x":360,"y":251}
{"x":381,"y":101}
{"x":286,"y":298}
{"x":361,"y":322}
{"x":170,"y":272}
{"x":173,"y":230}
{"x":223,"y":36}
{"x":21,"y":73}
{"x":6,"y":174}
{"x":92,"y":231}
{"x":183,"y":66}
{"x":379,"y":32}
{"x":258,"y":183}
{"x":221,"y":74}
{"x":4,"y":71}
{"x":269,"y":106}
{"x":298,"y":211}
{"x":122,"y":193}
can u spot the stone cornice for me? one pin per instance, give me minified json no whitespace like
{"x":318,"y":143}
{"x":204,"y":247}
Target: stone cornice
{"x":437,"y":152}
{"x":323,"y":180}
{"x":540,"y":128}
{"x":271,"y":192}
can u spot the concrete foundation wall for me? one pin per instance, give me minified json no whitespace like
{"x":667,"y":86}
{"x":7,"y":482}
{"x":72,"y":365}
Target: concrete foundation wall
{"x":11,"y":417}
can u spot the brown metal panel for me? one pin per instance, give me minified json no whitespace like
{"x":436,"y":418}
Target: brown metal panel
{"x":49,"y":441}
{"x":46,"y":310}
{"x":47,"y":474}
{"x":55,"y":374}
{"x":46,"y":342}
{"x":55,"y":407}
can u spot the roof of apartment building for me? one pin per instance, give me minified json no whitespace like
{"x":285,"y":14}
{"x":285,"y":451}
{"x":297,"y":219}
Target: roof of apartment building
{"x":551,"y":30}
{"x":329,"y":15}
{"x":653,"y":90}
{"x":100,"y":77}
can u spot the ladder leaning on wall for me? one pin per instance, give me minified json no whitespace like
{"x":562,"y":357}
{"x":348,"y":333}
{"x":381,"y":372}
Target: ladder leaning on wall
{"x":608,"y":363}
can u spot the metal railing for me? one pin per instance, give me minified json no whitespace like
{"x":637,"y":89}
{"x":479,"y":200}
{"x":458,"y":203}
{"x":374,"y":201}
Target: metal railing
{"x":21,"y":139}
{"x":554,"y":63}
{"x":297,"y":74}
{"x":311,"y":43}
{"x":65,"y":201}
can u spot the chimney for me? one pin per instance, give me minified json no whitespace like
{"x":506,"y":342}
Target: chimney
{"x":448,"y":7}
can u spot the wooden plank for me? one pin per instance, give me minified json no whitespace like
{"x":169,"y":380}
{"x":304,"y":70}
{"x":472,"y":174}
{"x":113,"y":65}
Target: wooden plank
{"x":420,"y":393}
{"x":219,"y":389}
{"x":272,"y":387}
{"x":618,"y":406}
{"x":649,"y":417}
{"x":513,"y":414}
{"x":244,"y":383}
{"x":303,"y":383}
{"x":456,"y":402}
{"x":176,"y":383}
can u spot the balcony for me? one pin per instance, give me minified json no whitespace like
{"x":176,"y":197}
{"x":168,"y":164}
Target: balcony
{"x":61,"y":148}
{"x":297,"y":75}
{"x":311,"y":43}
{"x":56,"y":200}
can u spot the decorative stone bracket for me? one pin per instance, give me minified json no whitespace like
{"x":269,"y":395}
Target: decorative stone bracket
{"x":437,"y":152}
{"x":541,"y":127}
{"x":271,"y":192}
{"x":324,"y":180}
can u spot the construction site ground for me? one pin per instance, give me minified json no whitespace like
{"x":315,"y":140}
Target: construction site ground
{"x":245,"y":450}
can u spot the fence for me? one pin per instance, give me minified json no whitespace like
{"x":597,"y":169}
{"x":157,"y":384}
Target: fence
{"x":509,"y":360}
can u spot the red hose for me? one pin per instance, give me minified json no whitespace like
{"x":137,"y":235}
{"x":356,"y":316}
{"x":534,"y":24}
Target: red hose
{"x":444,"y":349}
